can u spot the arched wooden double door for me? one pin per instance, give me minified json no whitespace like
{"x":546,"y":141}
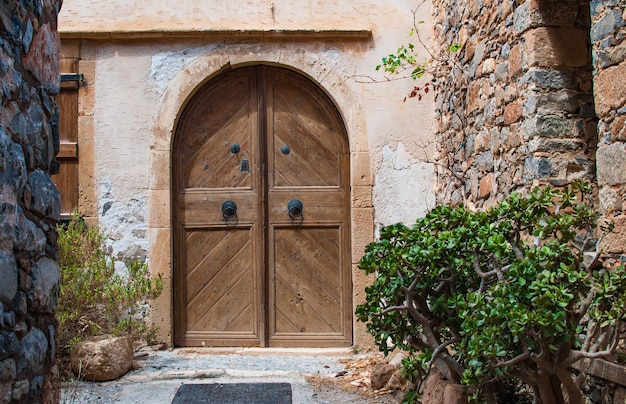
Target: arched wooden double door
{"x":261,"y":137}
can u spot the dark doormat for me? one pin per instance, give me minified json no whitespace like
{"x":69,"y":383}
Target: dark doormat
{"x":234,"y":393}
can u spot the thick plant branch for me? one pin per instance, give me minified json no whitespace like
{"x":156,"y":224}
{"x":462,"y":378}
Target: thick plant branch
{"x":498,"y":269}
{"x":390,"y":309}
{"x":513,"y":361}
{"x":592,"y":334}
{"x":449,"y":281}
{"x":440,"y":350}
{"x":484,"y":276}
{"x":578,"y":355}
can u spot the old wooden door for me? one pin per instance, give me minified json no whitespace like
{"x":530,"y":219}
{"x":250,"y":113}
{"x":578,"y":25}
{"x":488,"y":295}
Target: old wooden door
{"x":258,"y":141}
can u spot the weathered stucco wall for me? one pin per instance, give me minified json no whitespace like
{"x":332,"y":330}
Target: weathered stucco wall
{"x":514,"y":104}
{"x":29,"y":201}
{"x":141,"y":64}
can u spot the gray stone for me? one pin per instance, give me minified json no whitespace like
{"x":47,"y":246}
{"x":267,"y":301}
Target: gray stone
{"x":32,"y":354}
{"x":27,"y":38}
{"x":484,"y":161}
{"x":53,"y":343}
{"x":20,"y":303}
{"x":610,"y":200}
{"x":595,"y":4}
{"x":36,"y":386}
{"x":43,"y":297}
{"x":551,"y":126}
{"x":537,"y":167}
{"x":27,"y":125}
{"x":606,"y":25}
{"x":554,"y":79}
{"x":9,"y":319}
{"x":530,"y":105}
{"x":490,"y":110}
{"x":8,"y":371}
{"x":555,"y":14}
{"x":521,"y":18}
{"x":554,"y":145}
{"x":611,"y":162}
{"x":20,"y":389}
{"x":504,"y":52}
{"x":502,"y":71}
{"x":9,"y":344}
{"x":28,"y":236}
{"x":132,"y":253}
{"x":8,"y":274}
{"x":12,"y":162}
{"x":564,"y":100}
{"x":479,"y":53}
{"x":46,"y":200}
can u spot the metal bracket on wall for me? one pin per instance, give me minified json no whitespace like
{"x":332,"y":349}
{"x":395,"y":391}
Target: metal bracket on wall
{"x":77,"y":78}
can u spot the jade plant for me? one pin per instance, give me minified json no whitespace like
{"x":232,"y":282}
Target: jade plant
{"x":512,"y":296}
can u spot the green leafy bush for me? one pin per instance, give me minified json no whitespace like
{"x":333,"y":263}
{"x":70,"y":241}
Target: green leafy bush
{"x":514,"y":295}
{"x":94,"y":300}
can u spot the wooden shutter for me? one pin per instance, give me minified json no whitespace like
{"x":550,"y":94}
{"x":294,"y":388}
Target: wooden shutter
{"x":67,"y":178}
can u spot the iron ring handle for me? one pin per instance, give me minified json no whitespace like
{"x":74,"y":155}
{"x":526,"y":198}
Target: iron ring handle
{"x":229,"y":210}
{"x":295,"y":207}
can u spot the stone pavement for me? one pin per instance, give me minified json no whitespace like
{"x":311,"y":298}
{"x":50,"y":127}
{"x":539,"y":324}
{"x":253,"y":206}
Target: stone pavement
{"x":159,"y":374}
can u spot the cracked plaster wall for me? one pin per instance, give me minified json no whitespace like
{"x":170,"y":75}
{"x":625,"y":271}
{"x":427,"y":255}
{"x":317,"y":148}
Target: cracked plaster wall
{"x":135,"y":89}
{"x":404,"y":187}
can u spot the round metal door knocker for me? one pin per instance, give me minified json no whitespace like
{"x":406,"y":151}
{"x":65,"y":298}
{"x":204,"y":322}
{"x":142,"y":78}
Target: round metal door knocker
{"x":229,"y":210}
{"x":294,"y":207}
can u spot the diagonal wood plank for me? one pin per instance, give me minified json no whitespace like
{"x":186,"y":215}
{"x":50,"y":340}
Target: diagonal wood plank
{"x":300,"y":313}
{"x":297,"y":255}
{"x":215,"y":299}
{"x":212,"y":258}
{"x":229,"y":308}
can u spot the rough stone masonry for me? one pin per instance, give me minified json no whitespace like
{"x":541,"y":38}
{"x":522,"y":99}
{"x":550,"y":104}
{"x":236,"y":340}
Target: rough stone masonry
{"x":29,"y":200}
{"x":535,"y":95}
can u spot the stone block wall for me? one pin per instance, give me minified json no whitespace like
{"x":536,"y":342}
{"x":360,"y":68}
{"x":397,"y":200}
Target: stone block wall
{"x":608,"y":38}
{"x":29,"y":201}
{"x":514,"y":104}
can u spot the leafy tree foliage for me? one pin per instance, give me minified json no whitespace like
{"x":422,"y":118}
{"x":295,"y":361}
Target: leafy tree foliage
{"x":514,"y":294}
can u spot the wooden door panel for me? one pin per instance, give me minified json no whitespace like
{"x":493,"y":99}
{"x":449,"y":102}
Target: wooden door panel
{"x":215,"y":166}
{"x":320,"y":205}
{"x":316,"y":251}
{"x":307,"y":287}
{"x":227,"y":117}
{"x":301,"y":122}
{"x":296,"y":314}
{"x":220,"y":285}
{"x":204,"y":208}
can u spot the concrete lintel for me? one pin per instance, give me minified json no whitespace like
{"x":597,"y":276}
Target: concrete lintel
{"x":274,"y":34}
